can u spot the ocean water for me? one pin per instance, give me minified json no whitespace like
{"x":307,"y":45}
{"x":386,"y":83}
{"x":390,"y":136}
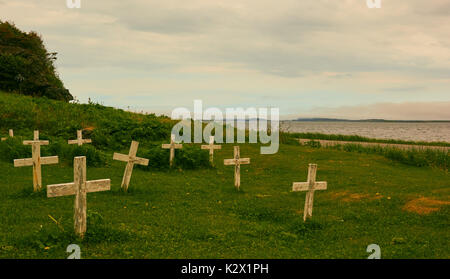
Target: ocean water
{"x":423,"y":131}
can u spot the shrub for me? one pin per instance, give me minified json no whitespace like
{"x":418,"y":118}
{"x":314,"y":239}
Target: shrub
{"x":13,"y":148}
{"x":190,"y":157}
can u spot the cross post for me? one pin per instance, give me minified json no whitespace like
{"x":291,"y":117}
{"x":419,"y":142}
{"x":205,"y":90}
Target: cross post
{"x":211,"y":148}
{"x":172,"y":146}
{"x":10,"y":133}
{"x":237,"y":161}
{"x":80,"y":187}
{"x":80,"y":141}
{"x":36,"y":160}
{"x":130,"y":159}
{"x":310,"y":186}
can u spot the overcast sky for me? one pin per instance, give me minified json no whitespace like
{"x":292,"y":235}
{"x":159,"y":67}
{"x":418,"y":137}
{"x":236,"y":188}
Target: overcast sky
{"x":310,"y":58}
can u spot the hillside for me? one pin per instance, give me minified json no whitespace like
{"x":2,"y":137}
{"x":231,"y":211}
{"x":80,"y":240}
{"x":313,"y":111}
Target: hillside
{"x":193,"y":210}
{"x":108,"y":127}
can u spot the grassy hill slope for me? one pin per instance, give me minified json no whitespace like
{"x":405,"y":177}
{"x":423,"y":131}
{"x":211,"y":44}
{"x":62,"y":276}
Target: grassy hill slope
{"x":183,"y":213}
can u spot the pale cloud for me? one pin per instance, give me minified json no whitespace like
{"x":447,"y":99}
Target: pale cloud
{"x":296,"y":55}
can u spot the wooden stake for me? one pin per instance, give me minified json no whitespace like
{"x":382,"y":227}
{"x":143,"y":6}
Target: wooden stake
{"x":80,"y":141}
{"x":10,"y":133}
{"x":310,"y":186}
{"x":131,"y":159}
{"x":80,"y":187}
{"x":172,"y":146}
{"x":237,"y":162}
{"x":36,"y":160}
{"x":211,"y":148}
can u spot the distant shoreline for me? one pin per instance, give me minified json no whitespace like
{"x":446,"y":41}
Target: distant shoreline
{"x":365,"y":120}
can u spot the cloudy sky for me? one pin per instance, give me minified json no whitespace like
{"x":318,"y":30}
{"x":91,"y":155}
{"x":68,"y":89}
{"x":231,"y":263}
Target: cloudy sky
{"x":310,"y":58}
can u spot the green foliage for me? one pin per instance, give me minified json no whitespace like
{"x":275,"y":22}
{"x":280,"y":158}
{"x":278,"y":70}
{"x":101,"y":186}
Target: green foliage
{"x":26,"y":67}
{"x":358,"y":138}
{"x":13,"y":148}
{"x":109,"y":128}
{"x":192,"y":157}
{"x":413,"y":157}
{"x":189,"y":157}
{"x":199,"y":213}
{"x":66,"y":153}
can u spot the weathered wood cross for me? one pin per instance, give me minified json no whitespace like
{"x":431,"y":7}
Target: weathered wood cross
{"x":311,"y":185}
{"x":172,"y":146}
{"x":80,"y":141}
{"x":131,"y":159}
{"x":211,"y":148}
{"x":11,"y":135}
{"x":80,"y":187}
{"x":237,"y":161}
{"x":36,"y":160}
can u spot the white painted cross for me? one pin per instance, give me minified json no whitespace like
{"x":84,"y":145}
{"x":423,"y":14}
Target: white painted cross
{"x":211,"y":148}
{"x":80,"y":187}
{"x":36,"y":160}
{"x":172,"y":146}
{"x":131,"y":159}
{"x":11,"y":135}
{"x":79,"y":139}
{"x":311,"y":185}
{"x":237,"y":162}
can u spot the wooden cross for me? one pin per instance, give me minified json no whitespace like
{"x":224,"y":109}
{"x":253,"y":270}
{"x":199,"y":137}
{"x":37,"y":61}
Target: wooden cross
{"x":36,"y":160}
{"x":131,"y":159}
{"x":211,"y":148}
{"x":79,"y":139}
{"x":237,"y":162}
{"x":172,"y":146}
{"x":11,"y":135}
{"x":311,"y":185}
{"x":80,"y":187}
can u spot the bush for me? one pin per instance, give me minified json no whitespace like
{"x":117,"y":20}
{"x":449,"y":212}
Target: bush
{"x":13,"y":148}
{"x":189,"y":157}
{"x":66,"y":153}
{"x":192,"y":157}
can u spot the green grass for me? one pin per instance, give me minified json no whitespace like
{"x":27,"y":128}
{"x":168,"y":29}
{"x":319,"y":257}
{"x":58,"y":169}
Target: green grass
{"x":320,"y":136}
{"x":199,"y":214}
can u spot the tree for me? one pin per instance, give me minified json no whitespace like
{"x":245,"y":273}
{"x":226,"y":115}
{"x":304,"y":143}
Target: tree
{"x":26,"y":67}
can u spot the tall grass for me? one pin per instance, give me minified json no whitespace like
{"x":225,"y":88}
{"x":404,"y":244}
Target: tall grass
{"x":320,"y":136}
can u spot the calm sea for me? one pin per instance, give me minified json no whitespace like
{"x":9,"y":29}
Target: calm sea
{"x":423,"y":131}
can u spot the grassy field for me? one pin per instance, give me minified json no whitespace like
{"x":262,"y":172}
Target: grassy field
{"x":199,"y":214}
{"x":397,"y":200}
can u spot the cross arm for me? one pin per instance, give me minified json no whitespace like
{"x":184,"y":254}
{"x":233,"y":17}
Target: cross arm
{"x":166,"y":145}
{"x":244,"y":161}
{"x":23,"y":162}
{"x":211,"y":146}
{"x":121,"y":157}
{"x":141,"y":161}
{"x":49,"y":160}
{"x":304,"y":186}
{"x":59,"y":190}
{"x":229,"y":162}
{"x":40,"y":142}
{"x":98,"y":185}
